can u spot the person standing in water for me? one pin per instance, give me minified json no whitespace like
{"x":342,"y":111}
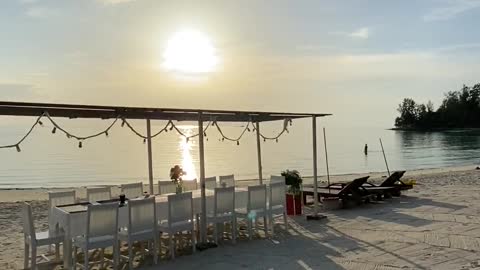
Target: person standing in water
{"x":365,"y":150}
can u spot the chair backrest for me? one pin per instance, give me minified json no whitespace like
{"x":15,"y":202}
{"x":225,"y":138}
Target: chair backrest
{"x":60,"y":197}
{"x":166,"y":186}
{"x":27,"y":218}
{"x":392,"y":179}
{"x":277,"y":178}
{"x":141,"y":215}
{"x":353,"y":186}
{"x":224,"y":200}
{"x":189,"y":185}
{"x":211,"y":182}
{"x":229,"y":180}
{"x":102,"y":219}
{"x":132,"y":190}
{"x":277,"y":194}
{"x":257,"y":197}
{"x":98,"y":194}
{"x":180,"y":207}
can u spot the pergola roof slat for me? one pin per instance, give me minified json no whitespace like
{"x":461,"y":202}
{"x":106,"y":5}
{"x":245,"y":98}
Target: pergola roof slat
{"x":105,"y":112}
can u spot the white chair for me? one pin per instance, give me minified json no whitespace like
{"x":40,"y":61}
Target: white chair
{"x":189,"y":185}
{"x":256,"y":207}
{"x":34,"y":240}
{"x":56,"y":198}
{"x":276,"y":203}
{"x":98,"y":194}
{"x":133,"y":190}
{"x":277,"y":178}
{"x":102,"y":232}
{"x":180,"y":218}
{"x":211,"y":182}
{"x":229,"y":180}
{"x":167,"y":186}
{"x":142,"y":226}
{"x":223,"y":211}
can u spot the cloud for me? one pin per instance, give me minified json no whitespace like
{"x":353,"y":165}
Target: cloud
{"x":362,"y":33}
{"x":451,"y":10}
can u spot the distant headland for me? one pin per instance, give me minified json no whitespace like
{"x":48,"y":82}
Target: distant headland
{"x":459,"y":109}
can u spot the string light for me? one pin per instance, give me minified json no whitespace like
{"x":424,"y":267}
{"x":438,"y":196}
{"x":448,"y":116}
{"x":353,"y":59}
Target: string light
{"x":169,"y":126}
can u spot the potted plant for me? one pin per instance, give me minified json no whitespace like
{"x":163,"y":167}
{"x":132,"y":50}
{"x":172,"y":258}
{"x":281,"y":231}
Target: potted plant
{"x":293,"y":197}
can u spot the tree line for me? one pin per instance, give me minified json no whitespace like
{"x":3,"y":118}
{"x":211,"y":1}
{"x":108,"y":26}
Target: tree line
{"x":459,"y":109}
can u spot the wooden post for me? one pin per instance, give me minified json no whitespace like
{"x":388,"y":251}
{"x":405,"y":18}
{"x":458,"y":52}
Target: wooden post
{"x":259,"y":153}
{"x":315,"y":183}
{"x":384,"y":157}
{"x":150,"y":162}
{"x":203,"y":223}
{"x":326,"y":158}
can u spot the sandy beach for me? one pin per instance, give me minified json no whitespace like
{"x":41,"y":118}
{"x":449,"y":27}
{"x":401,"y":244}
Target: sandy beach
{"x":433,"y":226}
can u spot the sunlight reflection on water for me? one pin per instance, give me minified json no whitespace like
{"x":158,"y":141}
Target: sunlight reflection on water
{"x":186,"y":149}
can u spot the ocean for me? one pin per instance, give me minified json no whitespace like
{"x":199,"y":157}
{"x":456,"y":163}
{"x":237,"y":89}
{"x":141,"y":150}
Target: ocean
{"x":53,"y":160}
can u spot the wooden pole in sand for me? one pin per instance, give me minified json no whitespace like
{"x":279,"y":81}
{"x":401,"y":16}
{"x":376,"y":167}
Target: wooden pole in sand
{"x":150,"y":161}
{"x":315,"y":183}
{"x":259,"y":153}
{"x":201,"y":151}
{"x":384,"y":157}
{"x":326,"y":158}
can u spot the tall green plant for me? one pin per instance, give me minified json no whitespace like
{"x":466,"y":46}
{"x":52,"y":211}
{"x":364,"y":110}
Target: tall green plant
{"x":293,"y":180}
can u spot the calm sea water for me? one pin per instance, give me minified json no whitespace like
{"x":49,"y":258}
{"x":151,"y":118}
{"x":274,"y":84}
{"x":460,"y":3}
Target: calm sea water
{"x":53,"y":160}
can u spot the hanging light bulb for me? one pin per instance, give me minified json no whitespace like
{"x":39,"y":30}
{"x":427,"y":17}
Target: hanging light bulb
{"x":80,"y":144}
{"x":238,"y":142}
{"x":223,"y":139}
{"x":144,"y":140}
{"x":205,"y":134}
{"x":187,"y":139}
{"x":248,"y":129}
{"x":171,"y":126}
{"x":18,"y":148}
{"x":207,"y":139}
{"x":106,"y":133}
{"x":291,"y":122}
{"x":264,"y":139}
{"x":276,"y":140}
{"x":40,"y":123}
{"x":123,"y":122}
{"x":54,"y":130}
{"x":68,"y":136}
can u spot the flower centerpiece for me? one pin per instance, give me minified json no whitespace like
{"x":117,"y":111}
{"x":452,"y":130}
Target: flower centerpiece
{"x":176,"y":174}
{"x":293,"y":197}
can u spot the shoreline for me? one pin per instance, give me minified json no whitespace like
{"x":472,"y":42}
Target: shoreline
{"x":40,"y":194}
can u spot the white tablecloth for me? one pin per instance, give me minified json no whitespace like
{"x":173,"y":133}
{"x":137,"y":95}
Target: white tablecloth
{"x":75,"y":224}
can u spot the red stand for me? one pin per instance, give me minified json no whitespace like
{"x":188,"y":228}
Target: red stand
{"x":294,"y":205}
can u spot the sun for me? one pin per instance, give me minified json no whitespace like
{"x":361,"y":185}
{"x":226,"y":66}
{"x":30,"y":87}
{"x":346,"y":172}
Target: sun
{"x":189,"y":51}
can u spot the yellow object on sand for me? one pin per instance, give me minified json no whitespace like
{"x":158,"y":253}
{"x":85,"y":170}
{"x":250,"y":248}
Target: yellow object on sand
{"x":411,"y":182}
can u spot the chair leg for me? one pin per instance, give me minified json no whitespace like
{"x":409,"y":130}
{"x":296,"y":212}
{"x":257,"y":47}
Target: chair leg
{"x":215,"y":232}
{"x":86,"y":259}
{"x":116,"y":250}
{"x":34,"y":257}
{"x":130,"y":255}
{"x":285,"y":220}
{"x":154,"y":250}
{"x":102,"y":258}
{"x":26,"y":255}
{"x":234,"y":230}
{"x":57,"y":251}
{"x":272,"y":224}
{"x":172,"y":249}
{"x":75,"y":250}
{"x":265,"y":225}
{"x":193,"y":240}
{"x":249,"y":224}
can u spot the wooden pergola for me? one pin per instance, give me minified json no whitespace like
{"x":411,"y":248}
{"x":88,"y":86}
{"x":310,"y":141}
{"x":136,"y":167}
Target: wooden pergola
{"x":171,"y":114}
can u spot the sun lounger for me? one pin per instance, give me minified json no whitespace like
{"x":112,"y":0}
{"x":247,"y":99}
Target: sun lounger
{"x":352,"y":191}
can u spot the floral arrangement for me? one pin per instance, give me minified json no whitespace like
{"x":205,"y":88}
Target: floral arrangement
{"x":293,"y":180}
{"x":176,"y":173}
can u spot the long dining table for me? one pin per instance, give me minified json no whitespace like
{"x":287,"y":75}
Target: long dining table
{"x":72,"y":219}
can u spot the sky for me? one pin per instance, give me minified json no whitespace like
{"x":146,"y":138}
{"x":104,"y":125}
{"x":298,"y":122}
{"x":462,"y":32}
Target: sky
{"x":355,"y":59}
